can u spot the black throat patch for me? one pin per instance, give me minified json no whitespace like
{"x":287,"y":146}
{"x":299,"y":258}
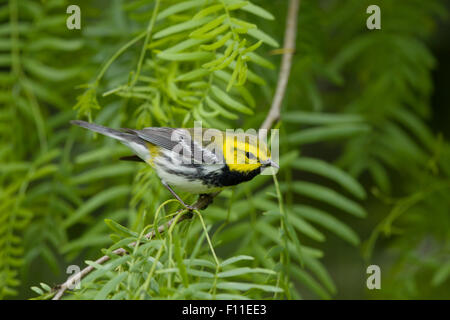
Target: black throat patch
{"x":225,"y":177}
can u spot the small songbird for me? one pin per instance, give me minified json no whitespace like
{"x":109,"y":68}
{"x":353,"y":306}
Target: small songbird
{"x":198,"y":162}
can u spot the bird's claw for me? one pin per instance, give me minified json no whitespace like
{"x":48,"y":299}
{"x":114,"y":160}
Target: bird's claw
{"x":191,"y":208}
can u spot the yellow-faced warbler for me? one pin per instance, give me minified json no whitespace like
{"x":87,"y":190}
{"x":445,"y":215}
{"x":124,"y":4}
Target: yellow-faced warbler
{"x":196,"y":161}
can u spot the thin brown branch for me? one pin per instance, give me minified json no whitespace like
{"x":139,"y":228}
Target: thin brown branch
{"x":71,"y":281}
{"x":286,"y":64}
{"x":200,"y":204}
{"x":204,"y":201}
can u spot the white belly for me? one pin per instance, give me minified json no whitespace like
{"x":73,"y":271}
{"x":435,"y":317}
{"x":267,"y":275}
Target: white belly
{"x":182,"y":184}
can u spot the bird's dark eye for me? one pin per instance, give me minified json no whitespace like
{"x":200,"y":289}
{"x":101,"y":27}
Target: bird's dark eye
{"x":250,"y":155}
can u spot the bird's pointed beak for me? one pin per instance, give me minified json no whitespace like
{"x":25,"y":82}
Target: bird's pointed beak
{"x":274,"y":164}
{"x":271,"y":163}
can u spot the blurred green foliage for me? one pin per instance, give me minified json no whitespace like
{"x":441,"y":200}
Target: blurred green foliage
{"x":356,"y":140}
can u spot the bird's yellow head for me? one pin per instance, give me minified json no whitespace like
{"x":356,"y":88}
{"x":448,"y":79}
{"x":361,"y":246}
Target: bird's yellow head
{"x":246,"y":153}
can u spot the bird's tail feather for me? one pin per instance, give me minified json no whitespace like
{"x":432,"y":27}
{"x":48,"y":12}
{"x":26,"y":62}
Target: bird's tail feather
{"x":113,"y":133}
{"x":137,"y":144}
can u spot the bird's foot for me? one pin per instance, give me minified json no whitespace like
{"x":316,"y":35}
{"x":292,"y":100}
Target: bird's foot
{"x":190,"y":208}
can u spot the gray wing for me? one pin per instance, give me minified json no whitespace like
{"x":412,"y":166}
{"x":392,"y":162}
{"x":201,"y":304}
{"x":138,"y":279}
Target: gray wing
{"x":180,"y":141}
{"x":162,"y":137}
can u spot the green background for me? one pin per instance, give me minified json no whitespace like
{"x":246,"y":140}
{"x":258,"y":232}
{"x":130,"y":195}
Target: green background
{"x":365,"y":158}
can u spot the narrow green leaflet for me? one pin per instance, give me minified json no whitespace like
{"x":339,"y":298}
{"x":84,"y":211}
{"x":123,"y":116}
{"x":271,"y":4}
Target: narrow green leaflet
{"x":185,"y":56}
{"x":113,"y":170}
{"x":191,"y":75}
{"x":320,"y":118}
{"x":242,"y":271}
{"x":257,"y":10}
{"x":264,"y":37}
{"x":241,"y":286}
{"x":329,"y":196}
{"x":324,"y":133}
{"x":95,"y":202}
{"x":235,"y":259}
{"x":179,"y":7}
{"x":227,"y":100}
{"x":329,"y":171}
{"x":328,"y":221}
{"x":110,"y":286}
{"x":118,"y":228}
{"x":191,"y":24}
